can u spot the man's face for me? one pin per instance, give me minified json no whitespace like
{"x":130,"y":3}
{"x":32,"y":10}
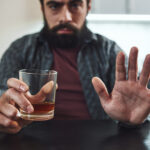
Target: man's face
{"x":59,"y":12}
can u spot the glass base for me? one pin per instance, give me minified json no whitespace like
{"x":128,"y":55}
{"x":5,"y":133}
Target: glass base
{"x":37,"y":117}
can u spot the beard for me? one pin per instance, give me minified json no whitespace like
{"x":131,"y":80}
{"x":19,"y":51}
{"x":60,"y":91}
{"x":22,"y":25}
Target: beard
{"x":65,"y":41}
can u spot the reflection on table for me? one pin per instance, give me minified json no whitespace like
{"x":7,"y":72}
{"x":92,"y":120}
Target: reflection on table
{"x":74,"y":135}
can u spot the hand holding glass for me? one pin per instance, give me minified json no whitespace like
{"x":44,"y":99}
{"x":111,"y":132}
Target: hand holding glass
{"x":41,"y":94}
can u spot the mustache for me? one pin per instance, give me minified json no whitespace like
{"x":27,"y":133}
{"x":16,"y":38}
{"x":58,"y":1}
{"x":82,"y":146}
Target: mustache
{"x":65,"y":25}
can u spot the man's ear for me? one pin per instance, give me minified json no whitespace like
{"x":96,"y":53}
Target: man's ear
{"x":89,"y":5}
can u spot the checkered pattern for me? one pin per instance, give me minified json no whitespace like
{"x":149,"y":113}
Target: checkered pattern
{"x":96,"y":58}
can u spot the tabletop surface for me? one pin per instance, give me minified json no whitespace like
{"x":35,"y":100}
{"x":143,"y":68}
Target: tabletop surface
{"x":74,"y":135}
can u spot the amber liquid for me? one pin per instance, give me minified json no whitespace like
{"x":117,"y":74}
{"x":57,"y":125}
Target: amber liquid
{"x":43,"y":108}
{"x":42,"y":111}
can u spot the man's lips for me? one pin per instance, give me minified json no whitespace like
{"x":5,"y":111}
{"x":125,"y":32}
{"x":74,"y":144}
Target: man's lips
{"x":65,"y":31}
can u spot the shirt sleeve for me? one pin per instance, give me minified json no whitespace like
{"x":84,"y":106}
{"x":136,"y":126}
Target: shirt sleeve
{"x":10,"y":64}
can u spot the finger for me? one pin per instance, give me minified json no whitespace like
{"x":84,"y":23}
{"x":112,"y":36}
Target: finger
{"x":17,"y":84}
{"x":22,"y":123}
{"x":101,"y":90}
{"x":120,"y":67}
{"x":41,"y":95}
{"x":144,"y":76}
{"x":7,"y":122}
{"x":8,"y":126}
{"x":47,"y":88}
{"x":56,"y":86}
{"x":19,"y":99}
{"x":132,"y":65}
{"x":9,"y":111}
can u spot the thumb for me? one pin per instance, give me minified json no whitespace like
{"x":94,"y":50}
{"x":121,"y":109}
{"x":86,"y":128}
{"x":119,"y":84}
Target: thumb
{"x":41,"y":95}
{"x":100,"y":89}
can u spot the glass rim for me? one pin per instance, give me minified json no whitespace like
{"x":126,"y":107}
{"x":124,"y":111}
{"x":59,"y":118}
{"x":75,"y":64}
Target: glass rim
{"x":38,"y":71}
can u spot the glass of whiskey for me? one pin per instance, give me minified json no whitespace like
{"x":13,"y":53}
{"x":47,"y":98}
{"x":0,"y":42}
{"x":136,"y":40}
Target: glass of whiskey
{"x":41,"y":94}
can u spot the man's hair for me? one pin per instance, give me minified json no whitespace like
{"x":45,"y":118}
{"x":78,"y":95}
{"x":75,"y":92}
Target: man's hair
{"x":41,"y":1}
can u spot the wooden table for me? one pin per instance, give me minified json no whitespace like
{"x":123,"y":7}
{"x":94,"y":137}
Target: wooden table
{"x":77,"y":135}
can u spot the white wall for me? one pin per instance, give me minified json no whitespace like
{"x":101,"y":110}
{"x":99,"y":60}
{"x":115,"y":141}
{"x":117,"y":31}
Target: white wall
{"x":109,"y":6}
{"x":17,"y":17}
{"x":126,"y":30}
{"x":121,"y":6}
{"x":140,"y":6}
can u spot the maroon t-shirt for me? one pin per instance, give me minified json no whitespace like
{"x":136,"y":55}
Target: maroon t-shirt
{"x":70,"y":100}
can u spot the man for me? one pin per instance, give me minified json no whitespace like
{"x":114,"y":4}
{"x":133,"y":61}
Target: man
{"x":66,"y":45}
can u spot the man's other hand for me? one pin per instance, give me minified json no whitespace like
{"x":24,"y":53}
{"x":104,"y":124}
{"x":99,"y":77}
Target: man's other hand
{"x":129,"y":101}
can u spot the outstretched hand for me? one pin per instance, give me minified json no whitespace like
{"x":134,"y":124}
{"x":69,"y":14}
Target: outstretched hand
{"x":129,"y":101}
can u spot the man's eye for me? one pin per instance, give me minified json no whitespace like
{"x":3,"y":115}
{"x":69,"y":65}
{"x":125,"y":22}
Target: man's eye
{"x":53,"y":7}
{"x":75,"y":5}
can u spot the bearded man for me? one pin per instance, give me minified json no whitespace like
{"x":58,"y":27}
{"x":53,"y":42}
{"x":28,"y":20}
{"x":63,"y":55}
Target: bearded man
{"x":66,"y":45}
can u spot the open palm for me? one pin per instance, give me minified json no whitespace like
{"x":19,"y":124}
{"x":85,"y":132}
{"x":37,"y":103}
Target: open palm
{"x":129,"y":101}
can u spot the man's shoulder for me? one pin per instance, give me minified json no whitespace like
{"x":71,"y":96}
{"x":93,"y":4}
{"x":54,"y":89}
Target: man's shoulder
{"x":22,"y":45}
{"x":105,"y":44}
{"x":103,"y":39}
{"x":28,"y":39}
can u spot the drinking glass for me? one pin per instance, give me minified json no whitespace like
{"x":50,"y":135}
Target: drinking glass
{"x":41,"y":94}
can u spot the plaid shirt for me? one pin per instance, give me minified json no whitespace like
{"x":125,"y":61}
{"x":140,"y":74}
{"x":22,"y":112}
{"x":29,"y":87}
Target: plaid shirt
{"x":96,"y":57}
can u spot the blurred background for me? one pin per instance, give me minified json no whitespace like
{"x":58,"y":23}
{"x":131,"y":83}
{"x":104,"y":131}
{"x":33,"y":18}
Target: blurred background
{"x":125,"y":21}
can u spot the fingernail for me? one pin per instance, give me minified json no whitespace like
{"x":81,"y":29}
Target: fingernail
{"x":28,"y":93}
{"x":30,"y":109}
{"x":14,"y":124}
{"x":18,"y":114}
{"x":22,"y":88}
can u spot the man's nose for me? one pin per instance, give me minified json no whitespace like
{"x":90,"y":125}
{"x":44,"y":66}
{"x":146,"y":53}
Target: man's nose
{"x":66,"y":16}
